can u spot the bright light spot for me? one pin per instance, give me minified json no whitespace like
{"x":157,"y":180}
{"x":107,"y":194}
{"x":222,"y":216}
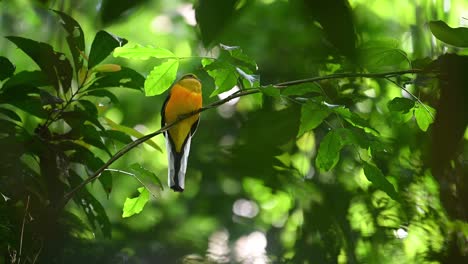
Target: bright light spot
{"x":140,"y":128}
{"x":251,"y":249}
{"x":245,"y":208}
{"x":400,"y":233}
{"x":226,"y":111}
{"x":218,"y":248}
{"x":187,"y":12}
{"x":161,"y":24}
{"x":227,"y":141}
{"x":228,"y":93}
{"x":446,"y":6}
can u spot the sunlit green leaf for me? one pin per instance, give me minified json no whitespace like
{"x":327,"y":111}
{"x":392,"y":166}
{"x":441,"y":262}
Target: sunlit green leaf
{"x":400,"y":104}
{"x":143,"y":53}
{"x":424,"y":116}
{"x":161,"y":77}
{"x":6,"y":68}
{"x":329,"y":149}
{"x":453,"y":36}
{"x":237,"y":54}
{"x":135,"y":205}
{"x":374,"y":175}
{"x":103,"y":44}
{"x":312,"y":115}
{"x":223,"y":73}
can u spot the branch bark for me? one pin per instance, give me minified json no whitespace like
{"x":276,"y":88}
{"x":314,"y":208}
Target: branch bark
{"x":130,"y":146}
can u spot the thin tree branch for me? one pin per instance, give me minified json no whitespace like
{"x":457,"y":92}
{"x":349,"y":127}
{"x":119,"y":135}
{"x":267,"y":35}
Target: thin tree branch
{"x":137,"y":142}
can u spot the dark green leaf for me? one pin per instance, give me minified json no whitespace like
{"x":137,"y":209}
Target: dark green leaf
{"x":354,"y":119}
{"x":453,"y":36}
{"x":161,"y":77}
{"x":28,"y":103}
{"x":48,"y":99}
{"x":212,"y":18}
{"x":54,"y":64}
{"x":312,"y":115}
{"x":400,"y":104}
{"x":301,"y":89}
{"x":31,"y":78}
{"x":329,"y":150}
{"x":116,"y":135}
{"x":143,"y":172}
{"x":103,"y":44}
{"x":135,"y":205}
{"x":374,"y":175}
{"x":125,"y":78}
{"x":92,"y":208}
{"x":103,"y":93}
{"x":92,"y":136}
{"x":10,"y":114}
{"x":83,"y":156}
{"x":78,"y":117}
{"x":6,"y":68}
{"x":75,"y":38}
{"x":111,"y":11}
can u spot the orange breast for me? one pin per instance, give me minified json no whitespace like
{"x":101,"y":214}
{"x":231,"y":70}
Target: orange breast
{"x":182,"y":101}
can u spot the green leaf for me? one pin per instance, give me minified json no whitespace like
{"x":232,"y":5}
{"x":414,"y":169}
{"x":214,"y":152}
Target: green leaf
{"x":92,"y":136}
{"x":142,"y":53}
{"x":135,"y":205}
{"x":92,"y":208}
{"x":31,"y":78}
{"x":10,"y":114}
{"x":103,"y":93}
{"x":161,"y":78}
{"x":103,"y":44}
{"x":301,"y":89}
{"x":270,"y":90}
{"x":139,"y":170}
{"x":374,"y":175}
{"x":354,"y":119}
{"x":54,"y":64}
{"x":223,"y":73}
{"x":132,"y":132}
{"x":6,"y":68}
{"x":312,"y":115}
{"x":49,"y":99}
{"x":453,"y":36}
{"x":83,"y":156}
{"x":78,"y":117}
{"x":329,"y":150}
{"x":238,"y":55}
{"x":400,"y":104}
{"x":125,"y":78}
{"x":26,"y":99}
{"x":424,"y":117}
{"x":75,"y":38}
{"x":382,"y":56}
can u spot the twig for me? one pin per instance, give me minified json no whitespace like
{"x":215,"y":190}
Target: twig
{"x":22,"y":230}
{"x":136,"y":177}
{"x":137,"y":142}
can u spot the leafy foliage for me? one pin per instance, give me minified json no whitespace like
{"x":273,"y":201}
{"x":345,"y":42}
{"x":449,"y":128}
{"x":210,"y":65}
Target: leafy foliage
{"x":348,"y":149}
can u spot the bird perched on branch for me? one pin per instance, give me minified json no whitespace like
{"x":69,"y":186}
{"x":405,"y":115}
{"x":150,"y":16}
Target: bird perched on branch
{"x":184,"y":97}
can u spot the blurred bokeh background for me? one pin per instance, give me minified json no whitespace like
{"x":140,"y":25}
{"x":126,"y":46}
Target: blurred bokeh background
{"x":252,"y":194}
